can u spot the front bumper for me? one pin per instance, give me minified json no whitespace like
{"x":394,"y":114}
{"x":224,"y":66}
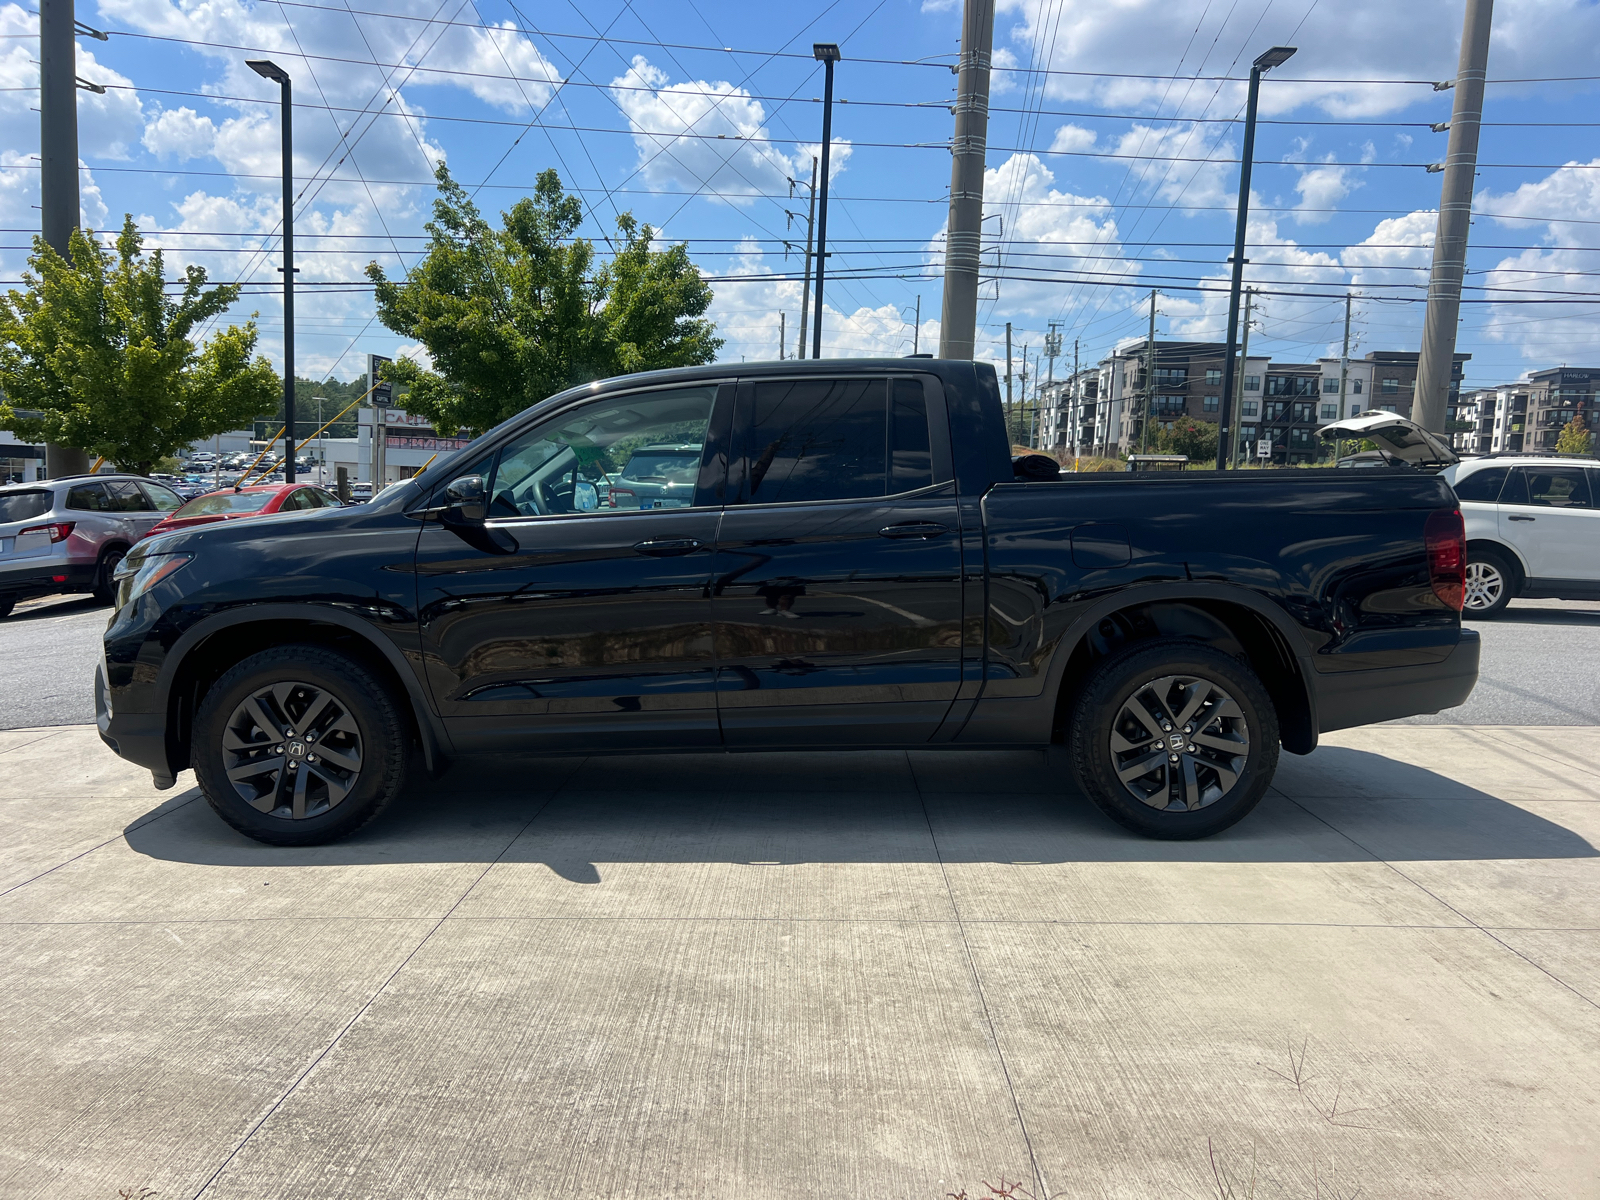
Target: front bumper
{"x":141,"y":738}
{"x":1349,"y":698}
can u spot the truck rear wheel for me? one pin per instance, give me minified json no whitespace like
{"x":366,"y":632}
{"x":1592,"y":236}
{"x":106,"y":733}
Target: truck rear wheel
{"x":299,"y":745}
{"x":1174,"y":739}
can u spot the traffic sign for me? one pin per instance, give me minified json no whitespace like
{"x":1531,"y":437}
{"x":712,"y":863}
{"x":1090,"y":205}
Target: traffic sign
{"x":1263,"y":449}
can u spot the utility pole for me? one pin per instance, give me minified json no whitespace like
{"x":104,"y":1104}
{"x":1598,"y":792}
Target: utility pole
{"x":805,"y":288}
{"x":1008,"y":364}
{"x":1435,"y":363}
{"x":1022,"y":393}
{"x":1052,"y":348}
{"x":1236,"y":399}
{"x":963,"y":241}
{"x":58,"y":161}
{"x":1077,"y":401}
{"x":1149,"y":379}
{"x":827,"y":53}
{"x":1344,"y":357}
{"x":783,"y":333}
{"x":916,"y":330}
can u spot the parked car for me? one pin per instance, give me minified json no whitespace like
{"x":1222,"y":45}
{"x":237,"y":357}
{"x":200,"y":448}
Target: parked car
{"x":858,"y":567}
{"x":1532,"y":520}
{"x":656,"y":477}
{"x":256,"y":501}
{"x":69,"y":534}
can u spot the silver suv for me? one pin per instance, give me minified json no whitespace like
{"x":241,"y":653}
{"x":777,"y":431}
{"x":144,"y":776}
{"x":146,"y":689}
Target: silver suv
{"x":68,"y":535}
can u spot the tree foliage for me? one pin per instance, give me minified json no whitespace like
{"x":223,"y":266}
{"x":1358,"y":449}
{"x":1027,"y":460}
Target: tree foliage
{"x":1191,"y":436}
{"x":512,"y":315}
{"x":1574,"y":437}
{"x":99,"y":349}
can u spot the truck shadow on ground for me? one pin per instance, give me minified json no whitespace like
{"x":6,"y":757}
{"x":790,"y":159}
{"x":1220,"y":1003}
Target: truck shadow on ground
{"x":577,"y":816}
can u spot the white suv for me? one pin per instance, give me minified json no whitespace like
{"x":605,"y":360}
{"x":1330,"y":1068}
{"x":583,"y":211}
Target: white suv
{"x":1533,"y":528}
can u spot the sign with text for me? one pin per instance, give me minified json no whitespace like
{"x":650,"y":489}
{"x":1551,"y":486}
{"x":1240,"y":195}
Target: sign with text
{"x":380,"y":394}
{"x":1263,"y":449}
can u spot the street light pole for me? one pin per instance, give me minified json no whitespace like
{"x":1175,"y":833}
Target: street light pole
{"x":827,"y":53}
{"x":1275,"y":57}
{"x":270,"y":70}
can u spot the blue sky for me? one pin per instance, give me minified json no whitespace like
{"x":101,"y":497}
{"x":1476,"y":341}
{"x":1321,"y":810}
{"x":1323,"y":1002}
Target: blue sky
{"x":694,"y":115}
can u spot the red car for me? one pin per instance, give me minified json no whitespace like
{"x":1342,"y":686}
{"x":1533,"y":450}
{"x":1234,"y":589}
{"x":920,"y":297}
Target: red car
{"x":229,"y":505}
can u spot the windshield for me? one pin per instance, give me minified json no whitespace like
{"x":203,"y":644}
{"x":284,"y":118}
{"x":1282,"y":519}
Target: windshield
{"x":219,"y":504}
{"x":23,"y":506}
{"x":664,"y":466}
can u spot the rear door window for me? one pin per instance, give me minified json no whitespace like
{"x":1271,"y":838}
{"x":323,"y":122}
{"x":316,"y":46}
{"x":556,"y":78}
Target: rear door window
{"x":126,"y":497}
{"x":89,"y":497}
{"x":162,"y":498}
{"x":1550,"y":487}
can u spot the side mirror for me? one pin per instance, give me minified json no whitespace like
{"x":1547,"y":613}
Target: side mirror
{"x":466,"y":501}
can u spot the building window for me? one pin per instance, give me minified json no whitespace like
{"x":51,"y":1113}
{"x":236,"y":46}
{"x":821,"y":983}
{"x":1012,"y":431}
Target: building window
{"x":1212,"y":404}
{"x":1355,"y":387}
{"x":1303,"y":412}
{"x":1213,"y":376}
{"x":1300,"y":439}
{"x":1330,"y":385}
{"x":1291,"y":385}
{"x":1387,"y":408}
{"x":1170,"y":406}
{"x":1247,"y":433}
{"x":1330,"y":412}
{"x":1390,"y":387}
{"x":1172,"y":376}
{"x":1252,"y":383}
{"x":1251,"y":408}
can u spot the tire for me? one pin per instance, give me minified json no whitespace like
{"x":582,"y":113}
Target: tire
{"x":1196,"y":799}
{"x":1491,"y":583}
{"x":318,"y":709}
{"x":105,"y":588}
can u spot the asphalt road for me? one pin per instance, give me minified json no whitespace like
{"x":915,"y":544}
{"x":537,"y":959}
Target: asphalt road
{"x":1541,"y":665}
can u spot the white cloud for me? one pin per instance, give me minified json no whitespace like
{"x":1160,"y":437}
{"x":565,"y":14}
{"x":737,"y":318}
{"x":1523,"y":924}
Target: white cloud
{"x":109,"y":125}
{"x":1415,"y":40}
{"x":1072,"y":137}
{"x":1206,"y":181}
{"x":709,"y":136}
{"x":180,"y":133}
{"x":1321,"y":189}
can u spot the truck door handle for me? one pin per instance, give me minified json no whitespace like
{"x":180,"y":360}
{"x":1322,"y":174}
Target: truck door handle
{"x":1522,"y":518}
{"x":914,"y":529}
{"x":667,"y":547}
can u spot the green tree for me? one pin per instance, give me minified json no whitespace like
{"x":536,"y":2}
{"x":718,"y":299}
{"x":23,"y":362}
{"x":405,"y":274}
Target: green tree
{"x":513,"y":315}
{"x":105,"y":356}
{"x":1574,"y":438}
{"x":1190,"y":436}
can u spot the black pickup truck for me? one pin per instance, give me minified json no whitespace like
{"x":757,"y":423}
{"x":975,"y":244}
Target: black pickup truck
{"x":858,"y":563}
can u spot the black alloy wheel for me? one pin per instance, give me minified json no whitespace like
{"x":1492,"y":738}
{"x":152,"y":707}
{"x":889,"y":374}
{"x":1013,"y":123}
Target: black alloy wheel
{"x":299,"y":745}
{"x":1174,"y":739}
{"x":1490,"y":584}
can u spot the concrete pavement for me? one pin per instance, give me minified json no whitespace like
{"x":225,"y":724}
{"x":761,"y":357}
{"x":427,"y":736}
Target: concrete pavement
{"x":786,"y":976}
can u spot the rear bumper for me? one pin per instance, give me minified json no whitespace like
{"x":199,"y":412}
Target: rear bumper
{"x":1351,"y":698}
{"x":42,"y":577}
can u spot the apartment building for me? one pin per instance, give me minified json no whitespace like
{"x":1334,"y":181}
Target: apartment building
{"x":1555,"y":396}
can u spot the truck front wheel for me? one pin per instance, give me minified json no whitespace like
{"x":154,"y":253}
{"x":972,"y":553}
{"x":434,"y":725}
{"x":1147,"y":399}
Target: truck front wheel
{"x":1174,"y":739}
{"x":299,"y":745}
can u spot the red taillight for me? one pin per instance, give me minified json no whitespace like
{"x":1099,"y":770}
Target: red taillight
{"x":611,"y":499}
{"x":59,"y":531}
{"x":1446,"y":538}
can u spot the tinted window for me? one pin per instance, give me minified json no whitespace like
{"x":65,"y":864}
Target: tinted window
{"x":912,"y":463}
{"x":163,"y":499}
{"x":1555,"y":487}
{"x":816,"y":439}
{"x":88,"y":497}
{"x":1482,"y":485}
{"x":23,"y":506}
{"x":580,"y":461}
{"x":126,"y":497}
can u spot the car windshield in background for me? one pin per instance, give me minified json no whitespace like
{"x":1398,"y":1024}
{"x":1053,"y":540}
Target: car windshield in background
{"x":653,"y":466}
{"x":221,"y":504}
{"x":23,"y":506}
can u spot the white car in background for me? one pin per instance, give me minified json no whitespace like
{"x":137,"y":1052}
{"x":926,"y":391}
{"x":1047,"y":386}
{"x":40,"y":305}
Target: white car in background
{"x":1533,"y":520}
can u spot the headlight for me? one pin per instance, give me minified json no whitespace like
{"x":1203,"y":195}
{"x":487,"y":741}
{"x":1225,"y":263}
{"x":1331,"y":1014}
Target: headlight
{"x":138,"y":573}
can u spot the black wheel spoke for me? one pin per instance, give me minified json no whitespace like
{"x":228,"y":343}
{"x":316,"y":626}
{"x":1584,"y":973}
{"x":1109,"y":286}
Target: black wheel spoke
{"x":292,"y":750}
{"x":1187,"y":757}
